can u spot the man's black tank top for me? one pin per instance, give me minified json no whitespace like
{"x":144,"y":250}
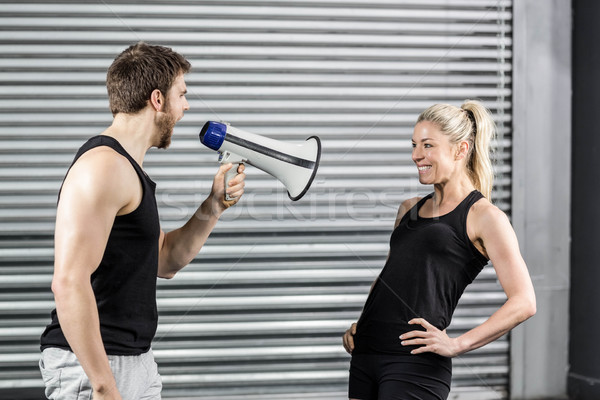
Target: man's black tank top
{"x":431,"y":262}
{"x":125,"y":281}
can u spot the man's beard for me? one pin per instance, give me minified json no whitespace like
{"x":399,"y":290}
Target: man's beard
{"x":165,"y":126}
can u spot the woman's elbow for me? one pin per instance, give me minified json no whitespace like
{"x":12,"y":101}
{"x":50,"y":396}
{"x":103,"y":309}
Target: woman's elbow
{"x":528,"y":308}
{"x":532,"y":309}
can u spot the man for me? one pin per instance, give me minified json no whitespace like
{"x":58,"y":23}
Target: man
{"x":109,"y":247}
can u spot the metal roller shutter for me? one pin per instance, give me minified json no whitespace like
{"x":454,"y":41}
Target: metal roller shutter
{"x":260,"y":312}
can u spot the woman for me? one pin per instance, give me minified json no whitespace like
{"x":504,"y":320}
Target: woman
{"x":399,"y":346}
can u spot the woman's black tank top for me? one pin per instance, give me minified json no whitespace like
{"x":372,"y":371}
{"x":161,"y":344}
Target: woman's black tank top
{"x":125,"y":281}
{"x":431,"y":262}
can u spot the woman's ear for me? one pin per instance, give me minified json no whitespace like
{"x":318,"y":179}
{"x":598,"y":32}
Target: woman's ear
{"x":462,"y":150}
{"x":157,"y":100}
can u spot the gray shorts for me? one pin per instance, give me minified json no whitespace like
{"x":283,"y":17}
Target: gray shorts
{"x":137,"y":376}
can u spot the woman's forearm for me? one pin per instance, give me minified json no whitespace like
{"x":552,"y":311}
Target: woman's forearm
{"x":513,"y":312}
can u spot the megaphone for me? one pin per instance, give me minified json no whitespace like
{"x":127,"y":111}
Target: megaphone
{"x":295,"y":165}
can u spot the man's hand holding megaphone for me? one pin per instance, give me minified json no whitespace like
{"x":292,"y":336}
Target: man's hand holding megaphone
{"x":293,"y":164}
{"x":222,"y":197}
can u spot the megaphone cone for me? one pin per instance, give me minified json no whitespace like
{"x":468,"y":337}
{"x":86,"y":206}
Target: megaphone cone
{"x":295,"y":165}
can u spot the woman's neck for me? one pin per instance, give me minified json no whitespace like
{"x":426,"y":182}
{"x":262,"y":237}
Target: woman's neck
{"x":452,"y":192}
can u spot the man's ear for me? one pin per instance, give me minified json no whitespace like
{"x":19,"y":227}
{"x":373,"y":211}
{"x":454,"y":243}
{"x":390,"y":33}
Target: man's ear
{"x":157,"y":100}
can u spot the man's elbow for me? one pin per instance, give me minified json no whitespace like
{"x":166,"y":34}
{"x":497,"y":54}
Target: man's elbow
{"x":169,"y":267}
{"x":163,"y":273}
{"x":60,"y":285}
{"x":65,"y":286}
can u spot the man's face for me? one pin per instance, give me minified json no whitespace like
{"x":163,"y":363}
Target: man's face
{"x":165,"y":124}
{"x":175,"y":106}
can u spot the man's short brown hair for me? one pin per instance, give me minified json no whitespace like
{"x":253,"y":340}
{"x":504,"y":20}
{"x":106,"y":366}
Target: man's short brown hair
{"x":138,"y":71}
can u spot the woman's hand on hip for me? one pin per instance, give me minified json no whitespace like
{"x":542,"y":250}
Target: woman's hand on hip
{"x":348,"y":338}
{"x":431,"y":340}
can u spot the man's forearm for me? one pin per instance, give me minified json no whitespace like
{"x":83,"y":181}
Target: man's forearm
{"x":78,"y":316}
{"x":181,"y":245}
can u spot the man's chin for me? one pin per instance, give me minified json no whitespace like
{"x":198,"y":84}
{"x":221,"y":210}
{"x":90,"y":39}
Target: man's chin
{"x":164,"y":144}
{"x":165,"y":141}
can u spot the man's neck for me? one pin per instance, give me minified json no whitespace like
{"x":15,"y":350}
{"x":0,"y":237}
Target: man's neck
{"x":134,"y":132}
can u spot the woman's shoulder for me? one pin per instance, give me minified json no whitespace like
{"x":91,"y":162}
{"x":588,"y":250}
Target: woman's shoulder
{"x":485,"y":208}
{"x":483,"y":213}
{"x":409,"y":203}
{"x":405,"y":206}
{"x":488,"y":225}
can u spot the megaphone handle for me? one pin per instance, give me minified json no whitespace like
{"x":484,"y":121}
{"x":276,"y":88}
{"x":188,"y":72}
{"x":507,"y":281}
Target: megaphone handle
{"x":226,"y":158}
{"x":229,"y":175}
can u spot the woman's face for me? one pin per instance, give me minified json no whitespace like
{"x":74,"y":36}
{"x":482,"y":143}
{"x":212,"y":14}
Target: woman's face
{"x":436,"y":158}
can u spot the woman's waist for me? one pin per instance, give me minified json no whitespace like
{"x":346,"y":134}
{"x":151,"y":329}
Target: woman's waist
{"x":373,"y":336}
{"x":383,"y":336}
{"x":373,"y":327}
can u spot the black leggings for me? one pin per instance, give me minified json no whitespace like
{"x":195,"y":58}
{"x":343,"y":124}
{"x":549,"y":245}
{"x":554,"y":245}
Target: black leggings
{"x":400,"y":377}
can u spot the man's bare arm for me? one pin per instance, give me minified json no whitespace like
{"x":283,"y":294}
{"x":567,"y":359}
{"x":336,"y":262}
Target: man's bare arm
{"x":90,"y":199}
{"x":179,"y":247}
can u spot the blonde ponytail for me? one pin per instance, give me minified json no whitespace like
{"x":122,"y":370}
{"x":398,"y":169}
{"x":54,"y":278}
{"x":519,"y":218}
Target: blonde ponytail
{"x":472,"y":122}
{"x":480,"y":164}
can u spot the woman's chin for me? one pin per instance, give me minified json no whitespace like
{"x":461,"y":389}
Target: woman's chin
{"x":424,"y":181}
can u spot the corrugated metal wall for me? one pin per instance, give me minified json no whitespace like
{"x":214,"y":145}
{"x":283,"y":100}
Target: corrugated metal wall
{"x":261,"y":311}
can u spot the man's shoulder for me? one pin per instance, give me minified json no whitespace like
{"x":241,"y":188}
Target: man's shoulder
{"x":103,"y":161}
{"x":102,"y":172}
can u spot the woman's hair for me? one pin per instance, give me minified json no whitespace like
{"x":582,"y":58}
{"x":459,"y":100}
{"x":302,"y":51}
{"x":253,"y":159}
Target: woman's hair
{"x":138,"y":71}
{"x":472,"y":122}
